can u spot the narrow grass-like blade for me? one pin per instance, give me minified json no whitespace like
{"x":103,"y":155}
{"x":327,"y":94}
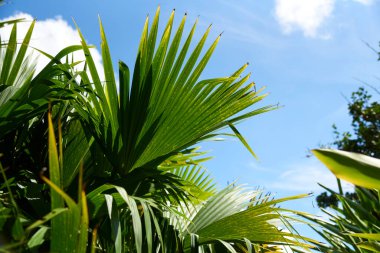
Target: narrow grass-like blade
{"x":9,"y":55}
{"x":46,"y":218}
{"x":20,"y":55}
{"x":242,"y":139}
{"x":54,"y":170}
{"x":110,"y":84}
{"x":368,"y":236}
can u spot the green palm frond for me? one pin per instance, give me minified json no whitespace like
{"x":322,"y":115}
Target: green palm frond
{"x":191,"y":156}
{"x":230,"y":218}
{"x":164,"y":109}
{"x":196,"y":181}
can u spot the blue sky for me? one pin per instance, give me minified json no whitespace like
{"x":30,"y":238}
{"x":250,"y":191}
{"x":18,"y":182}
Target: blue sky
{"x":308,"y":54}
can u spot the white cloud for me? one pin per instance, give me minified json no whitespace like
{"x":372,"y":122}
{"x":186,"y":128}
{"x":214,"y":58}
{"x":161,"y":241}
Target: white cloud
{"x":307,"y":16}
{"x":50,"y":36}
{"x":257,"y":167}
{"x":305,"y":176}
{"x":365,"y":2}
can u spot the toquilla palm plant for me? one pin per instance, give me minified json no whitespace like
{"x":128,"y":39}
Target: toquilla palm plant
{"x":142,"y":187}
{"x":164,"y":109}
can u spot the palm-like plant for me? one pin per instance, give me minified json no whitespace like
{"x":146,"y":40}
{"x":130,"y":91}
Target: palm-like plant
{"x":164,"y":109}
{"x":348,"y":224}
{"x":145,"y":187}
{"x":355,"y":224}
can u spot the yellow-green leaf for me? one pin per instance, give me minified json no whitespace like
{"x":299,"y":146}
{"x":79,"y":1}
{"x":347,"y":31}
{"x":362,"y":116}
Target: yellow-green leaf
{"x":358,"y":169}
{"x":368,"y":236}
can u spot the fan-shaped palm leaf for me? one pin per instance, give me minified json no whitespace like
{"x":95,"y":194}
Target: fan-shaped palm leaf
{"x":164,"y":109}
{"x":238,"y":219}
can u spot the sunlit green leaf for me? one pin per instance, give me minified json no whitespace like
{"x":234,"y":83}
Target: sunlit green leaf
{"x":358,"y":169}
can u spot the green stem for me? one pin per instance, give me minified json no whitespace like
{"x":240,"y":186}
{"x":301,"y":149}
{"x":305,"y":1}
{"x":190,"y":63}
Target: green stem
{"x":339,"y":186}
{"x":8,"y":188}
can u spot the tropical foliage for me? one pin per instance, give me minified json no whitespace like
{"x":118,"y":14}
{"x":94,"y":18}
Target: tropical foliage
{"x":361,"y":170}
{"x":364,"y":112}
{"x":355,"y":227}
{"x":353,"y":218}
{"x":111,"y":165}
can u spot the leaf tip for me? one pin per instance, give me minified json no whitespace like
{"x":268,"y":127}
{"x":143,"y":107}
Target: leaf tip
{"x":158,"y":10}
